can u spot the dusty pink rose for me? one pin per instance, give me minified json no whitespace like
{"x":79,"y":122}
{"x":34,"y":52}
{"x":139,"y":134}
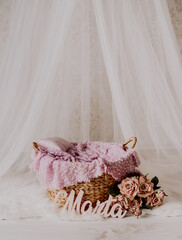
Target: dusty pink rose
{"x":145,"y":187}
{"x":135,"y":204}
{"x":126,"y":203}
{"x":160,"y":194}
{"x":116,"y":200}
{"x":122,"y":200}
{"x":129,"y":187}
{"x":137,"y":212}
{"x":120,"y":197}
{"x":140,"y":202}
{"x":154,"y":200}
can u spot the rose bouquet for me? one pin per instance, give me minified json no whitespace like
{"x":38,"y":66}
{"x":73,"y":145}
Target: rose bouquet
{"x":137,"y":192}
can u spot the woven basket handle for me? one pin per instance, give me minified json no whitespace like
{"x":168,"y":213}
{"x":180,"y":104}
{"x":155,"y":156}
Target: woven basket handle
{"x":134,"y":139}
{"x":35,"y":146}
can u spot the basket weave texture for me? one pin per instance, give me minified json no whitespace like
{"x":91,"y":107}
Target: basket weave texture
{"x":94,"y":190}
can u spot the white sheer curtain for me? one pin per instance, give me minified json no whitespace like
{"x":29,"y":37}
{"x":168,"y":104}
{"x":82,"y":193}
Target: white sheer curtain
{"x":89,"y":70}
{"x":144,"y":70}
{"x":35,"y":45}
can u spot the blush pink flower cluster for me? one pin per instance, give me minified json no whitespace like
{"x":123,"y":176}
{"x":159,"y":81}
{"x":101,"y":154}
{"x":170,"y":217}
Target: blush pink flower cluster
{"x":133,"y":206}
{"x":138,"y":192}
{"x":156,"y":198}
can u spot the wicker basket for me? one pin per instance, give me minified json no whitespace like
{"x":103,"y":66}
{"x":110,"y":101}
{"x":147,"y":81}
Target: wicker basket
{"x":94,"y":190}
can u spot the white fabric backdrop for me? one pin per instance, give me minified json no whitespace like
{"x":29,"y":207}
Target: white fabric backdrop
{"x":92,"y":70}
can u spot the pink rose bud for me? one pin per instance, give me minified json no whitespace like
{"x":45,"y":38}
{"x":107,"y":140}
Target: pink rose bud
{"x":138,"y":212}
{"x":160,"y":194}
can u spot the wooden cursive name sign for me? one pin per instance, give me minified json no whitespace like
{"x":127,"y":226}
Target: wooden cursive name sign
{"x":103,"y":209}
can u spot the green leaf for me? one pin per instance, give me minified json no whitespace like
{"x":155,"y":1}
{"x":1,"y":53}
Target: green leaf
{"x":113,"y":192}
{"x":155,"y":181}
{"x":156,"y":187}
{"x":147,"y":207}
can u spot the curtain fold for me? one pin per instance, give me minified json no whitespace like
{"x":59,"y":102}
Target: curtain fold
{"x":27,"y":70}
{"x":144,"y":70}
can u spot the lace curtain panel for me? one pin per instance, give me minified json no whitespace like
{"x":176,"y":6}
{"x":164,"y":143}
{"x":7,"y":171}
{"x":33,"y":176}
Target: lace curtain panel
{"x":89,"y":70}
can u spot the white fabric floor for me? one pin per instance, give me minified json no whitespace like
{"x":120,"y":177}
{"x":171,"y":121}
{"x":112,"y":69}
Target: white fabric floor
{"x":22,"y":210}
{"x":146,"y":227}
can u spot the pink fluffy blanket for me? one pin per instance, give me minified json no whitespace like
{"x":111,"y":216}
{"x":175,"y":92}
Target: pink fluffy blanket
{"x":60,"y":163}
